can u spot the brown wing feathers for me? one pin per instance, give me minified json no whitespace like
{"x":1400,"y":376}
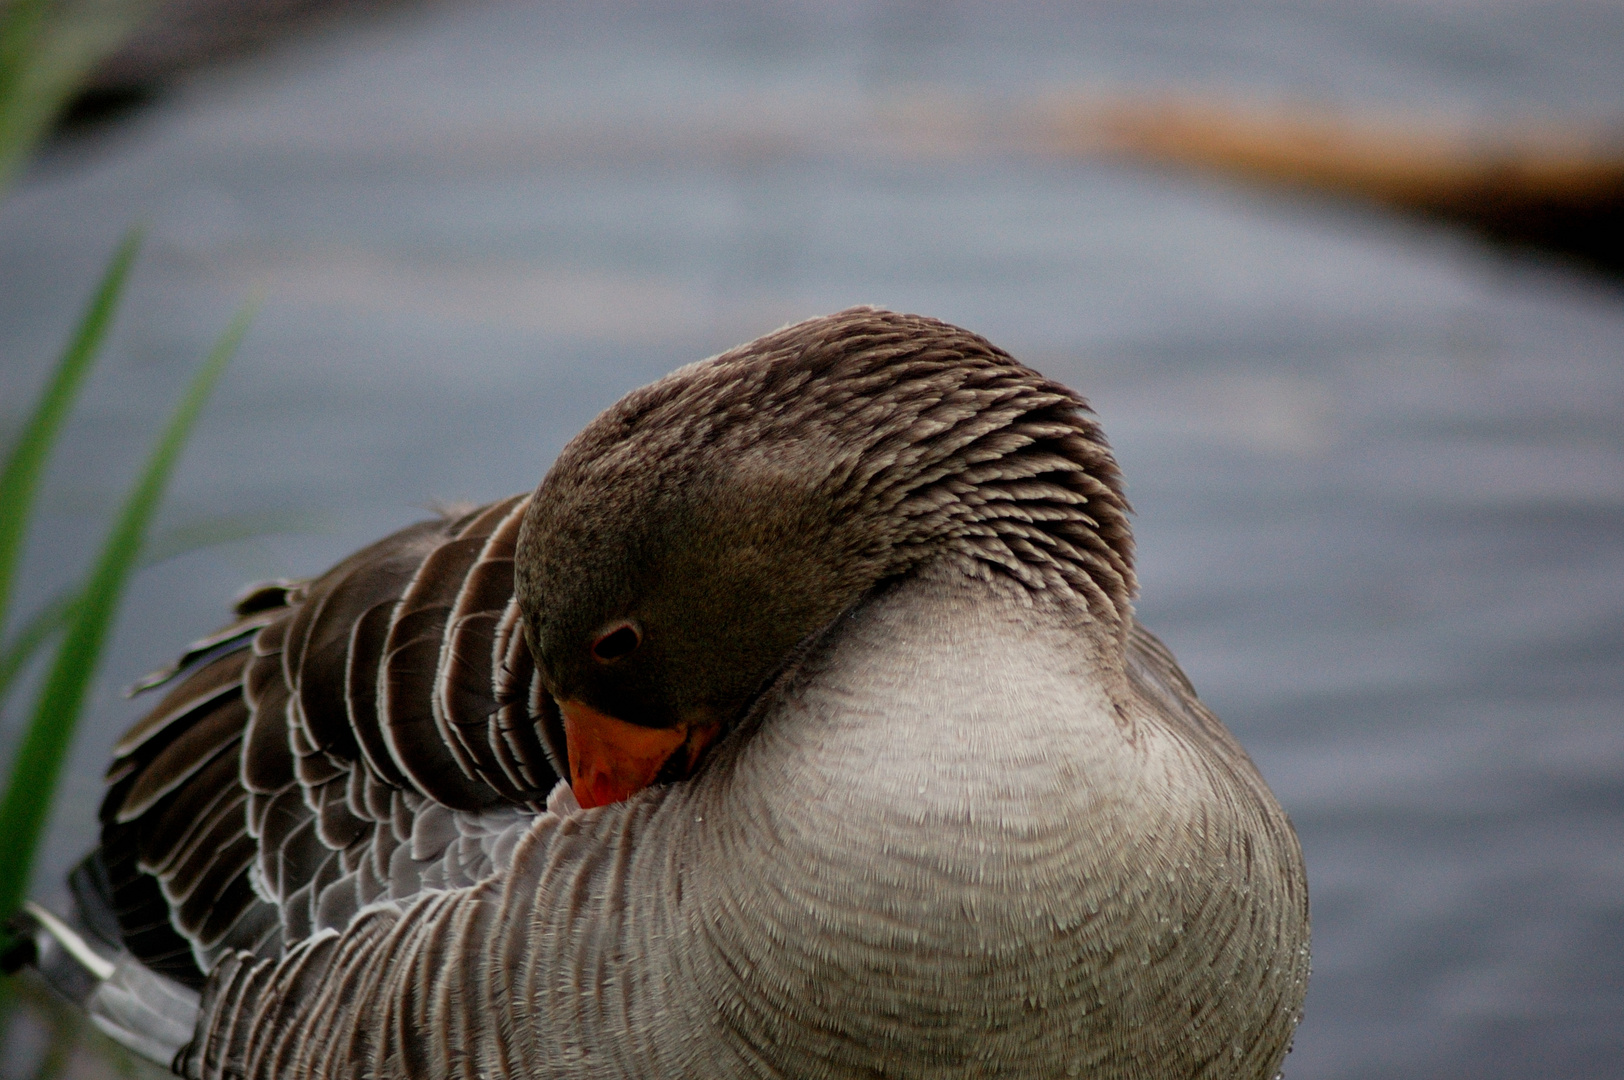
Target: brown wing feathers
{"x":309,"y":758}
{"x":172,"y":815}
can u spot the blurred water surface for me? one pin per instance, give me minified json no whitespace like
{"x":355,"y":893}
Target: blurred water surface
{"x":1378,"y":467}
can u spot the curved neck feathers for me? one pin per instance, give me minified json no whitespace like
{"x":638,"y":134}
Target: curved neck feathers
{"x":850,"y":450}
{"x":922,"y":834}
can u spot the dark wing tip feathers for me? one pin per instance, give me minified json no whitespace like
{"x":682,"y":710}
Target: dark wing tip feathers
{"x":242,"y":809}
{"x":265,"y":596}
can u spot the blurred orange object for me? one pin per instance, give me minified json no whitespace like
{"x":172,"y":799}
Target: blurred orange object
{"x":1552,"y":186}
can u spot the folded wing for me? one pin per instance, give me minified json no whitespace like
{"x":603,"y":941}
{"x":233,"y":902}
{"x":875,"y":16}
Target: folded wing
{"x":350,"y":740}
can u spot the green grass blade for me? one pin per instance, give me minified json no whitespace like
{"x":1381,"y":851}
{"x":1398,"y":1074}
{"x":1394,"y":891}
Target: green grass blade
{"x":20,"y":30}
{"x":35,"y":633}
{"x":27,"y":801}
{"x":47,"y":49}
{"x":19,"y":482}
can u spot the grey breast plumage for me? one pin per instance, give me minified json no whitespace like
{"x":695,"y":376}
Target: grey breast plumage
{"x":344,"y":824}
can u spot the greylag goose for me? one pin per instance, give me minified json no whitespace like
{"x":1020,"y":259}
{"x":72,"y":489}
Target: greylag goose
{"x":867,"y":768}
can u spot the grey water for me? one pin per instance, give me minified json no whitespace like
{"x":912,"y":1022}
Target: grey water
{"x":1378,"y":465}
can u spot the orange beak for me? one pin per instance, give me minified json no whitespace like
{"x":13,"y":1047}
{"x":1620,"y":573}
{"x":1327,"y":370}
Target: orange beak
{"x":611,"y":760}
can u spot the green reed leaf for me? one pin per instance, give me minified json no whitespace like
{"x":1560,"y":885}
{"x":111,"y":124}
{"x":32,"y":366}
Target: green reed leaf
{"x":27,"y":801}
{"x":19,"y":481}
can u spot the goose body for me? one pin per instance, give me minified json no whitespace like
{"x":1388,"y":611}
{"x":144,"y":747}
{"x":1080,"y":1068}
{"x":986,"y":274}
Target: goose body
{"x":938,"y":807}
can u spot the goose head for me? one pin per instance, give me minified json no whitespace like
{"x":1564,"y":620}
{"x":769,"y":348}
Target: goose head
{"x":691,"y":540}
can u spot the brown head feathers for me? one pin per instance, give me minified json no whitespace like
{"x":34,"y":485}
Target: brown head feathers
{"x":769,"y":488}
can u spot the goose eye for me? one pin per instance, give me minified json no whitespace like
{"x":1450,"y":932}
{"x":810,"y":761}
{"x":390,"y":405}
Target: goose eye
{"x":621,"y":641}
